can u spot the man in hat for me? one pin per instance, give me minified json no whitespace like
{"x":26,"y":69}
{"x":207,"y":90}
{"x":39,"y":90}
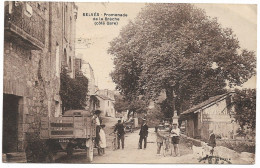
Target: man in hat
{"x":120,"y":129}
{"x":143,"y":134}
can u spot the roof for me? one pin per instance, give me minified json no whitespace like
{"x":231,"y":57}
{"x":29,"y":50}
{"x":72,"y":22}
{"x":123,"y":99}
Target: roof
{"x":104,"y":97}
{"x":205,"y":103}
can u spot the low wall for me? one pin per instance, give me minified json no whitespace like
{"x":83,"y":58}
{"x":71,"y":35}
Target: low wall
{"x":190,"y":141}
{"x":238,"y":145}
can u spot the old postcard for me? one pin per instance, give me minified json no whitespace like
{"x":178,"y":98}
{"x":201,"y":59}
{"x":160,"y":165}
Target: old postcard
{"x":114,"y":82}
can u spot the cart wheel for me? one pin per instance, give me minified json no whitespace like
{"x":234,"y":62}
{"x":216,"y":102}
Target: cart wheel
{"x":69,"y":149}
{"x":90,"y":152}
{"x":50,"y":157}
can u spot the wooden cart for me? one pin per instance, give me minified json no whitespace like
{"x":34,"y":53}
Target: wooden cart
{"x":75,"y":129}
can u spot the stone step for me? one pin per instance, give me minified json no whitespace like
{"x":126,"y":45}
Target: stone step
{"x":16,"y":157}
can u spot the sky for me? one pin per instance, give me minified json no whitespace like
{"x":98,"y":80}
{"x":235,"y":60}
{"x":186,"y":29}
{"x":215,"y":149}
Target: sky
{"x":240,"y":17}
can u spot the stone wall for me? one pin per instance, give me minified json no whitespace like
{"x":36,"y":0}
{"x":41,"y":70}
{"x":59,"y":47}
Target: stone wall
{"x":32,"y":74}
{"x":23,"y":77}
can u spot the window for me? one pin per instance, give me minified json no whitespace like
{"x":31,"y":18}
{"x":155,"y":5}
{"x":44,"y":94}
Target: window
{"x":70,"y":64}
{"x":65,"y":58}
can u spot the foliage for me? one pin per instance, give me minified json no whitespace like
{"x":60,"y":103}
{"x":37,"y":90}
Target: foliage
{"x":73,"y":92}
{"x":138,"y":106}
{"x":245,"y":108}
{"x":239,"y":146}
{"x":120,"y":104}
{"x":154,"y":115}
{"x":135,"y":105}
{"x":178,"y":49}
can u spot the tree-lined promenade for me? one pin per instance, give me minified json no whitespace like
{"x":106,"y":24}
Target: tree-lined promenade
{"x":179,"y":50}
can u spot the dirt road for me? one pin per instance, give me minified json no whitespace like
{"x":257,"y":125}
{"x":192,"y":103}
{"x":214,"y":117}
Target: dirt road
{"x":131,"y":153}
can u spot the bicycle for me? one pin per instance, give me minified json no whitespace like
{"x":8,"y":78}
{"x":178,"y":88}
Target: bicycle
{"x":114,"y":141}
{"x":167,"y":146}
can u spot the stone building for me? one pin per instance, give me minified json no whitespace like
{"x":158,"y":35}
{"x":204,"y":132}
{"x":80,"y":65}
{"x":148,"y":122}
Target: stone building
{"x":39,"y":39}
{"x":107,"y":102}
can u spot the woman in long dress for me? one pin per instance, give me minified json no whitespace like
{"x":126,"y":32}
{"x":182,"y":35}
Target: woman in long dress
{"x":102,"y":142}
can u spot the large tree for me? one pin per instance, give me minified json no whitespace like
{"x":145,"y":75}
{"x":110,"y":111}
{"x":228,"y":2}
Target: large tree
{"x":178,"y":49}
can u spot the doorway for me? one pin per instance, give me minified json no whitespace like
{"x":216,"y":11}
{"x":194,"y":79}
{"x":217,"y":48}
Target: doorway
{"x":10,"y":123}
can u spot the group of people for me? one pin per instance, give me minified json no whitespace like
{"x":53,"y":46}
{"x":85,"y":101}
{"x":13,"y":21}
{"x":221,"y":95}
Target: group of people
{"x":163,"y":130}
{"x":120,"y":130}
{"x":166,"y":130}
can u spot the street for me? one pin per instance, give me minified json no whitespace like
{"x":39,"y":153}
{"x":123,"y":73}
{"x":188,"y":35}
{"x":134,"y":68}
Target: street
{"x":131,"y":153}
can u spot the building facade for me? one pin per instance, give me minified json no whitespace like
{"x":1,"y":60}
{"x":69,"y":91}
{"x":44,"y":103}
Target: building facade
{"x":39,"y":39}
{"x":84,"y":68}
{"x":215,"y":114}
{"x":107,"y":102}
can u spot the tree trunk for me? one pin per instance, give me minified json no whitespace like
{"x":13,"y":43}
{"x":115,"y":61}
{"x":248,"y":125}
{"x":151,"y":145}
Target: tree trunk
{"x":170,"y":101}
{"x":178,"y":104}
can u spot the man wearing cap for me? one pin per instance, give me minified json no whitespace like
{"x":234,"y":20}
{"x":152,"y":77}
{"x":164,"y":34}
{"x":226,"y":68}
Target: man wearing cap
{"x":143,"y":134}
{"x":120,"y":129}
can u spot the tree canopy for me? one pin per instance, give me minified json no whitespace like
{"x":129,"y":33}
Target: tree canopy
{"x":178,"y":49}
{"x":245,"y":108}
{"x":134,"y":106}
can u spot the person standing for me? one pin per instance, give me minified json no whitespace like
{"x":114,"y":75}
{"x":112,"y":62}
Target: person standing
{"x":159,"y":138}
{"x":102,"y":142}
{"x":143,"y":134}
{"x":120,"y":129}
{"x":98,"y":121}
{"x":175,"y":134}
{"x":212,"y":141}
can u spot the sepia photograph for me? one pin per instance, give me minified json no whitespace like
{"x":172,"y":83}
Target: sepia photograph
{"x":129,"y":82}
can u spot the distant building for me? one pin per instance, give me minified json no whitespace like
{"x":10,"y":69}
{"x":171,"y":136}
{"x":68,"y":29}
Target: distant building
{"x":107,"y":102}
{"x":214,"y":114}
{"x":87,"y":71}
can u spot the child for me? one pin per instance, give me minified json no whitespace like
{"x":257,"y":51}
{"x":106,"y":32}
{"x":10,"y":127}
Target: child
{"x":175,"y":134}
{"x":102,"y":142}
{"x":212,"y":141}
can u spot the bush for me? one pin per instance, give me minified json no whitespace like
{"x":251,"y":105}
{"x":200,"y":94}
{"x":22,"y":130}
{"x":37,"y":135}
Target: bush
{"x":73,"y":92}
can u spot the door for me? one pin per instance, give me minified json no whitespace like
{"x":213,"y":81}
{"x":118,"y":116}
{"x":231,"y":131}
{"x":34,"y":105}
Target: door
{"x":196,"y":126}
{"x":10,"y":123}
{"x":190,"y":128}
